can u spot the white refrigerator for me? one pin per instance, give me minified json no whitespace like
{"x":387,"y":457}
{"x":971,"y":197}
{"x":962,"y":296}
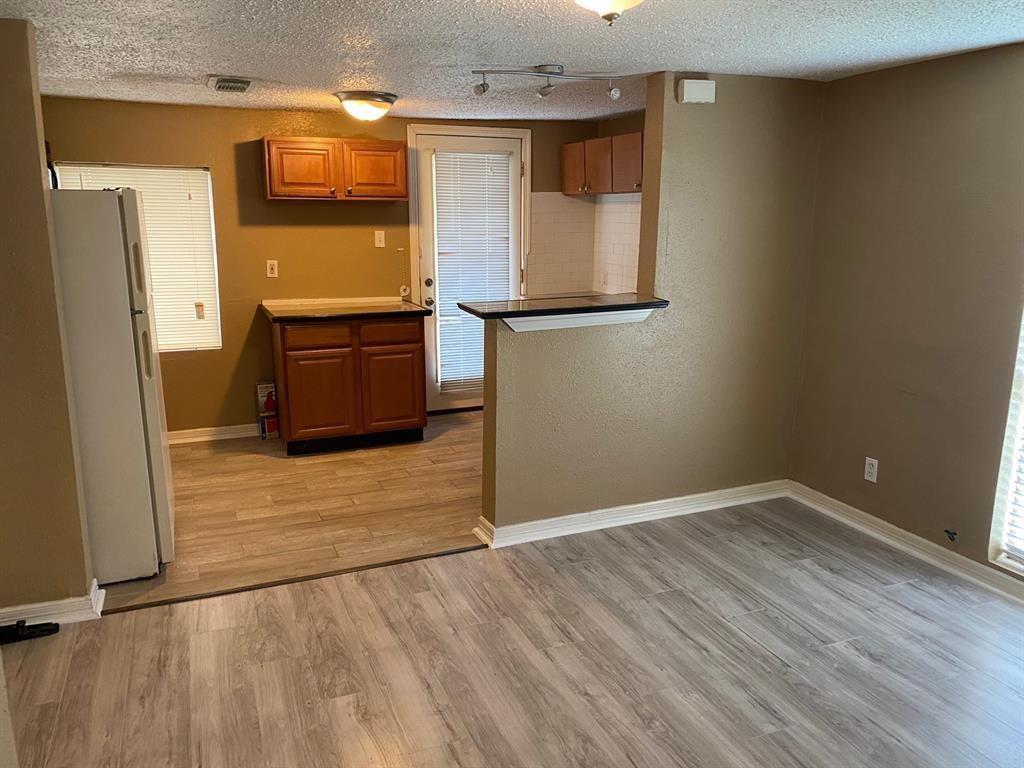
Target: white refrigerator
{"x":117,"y":395}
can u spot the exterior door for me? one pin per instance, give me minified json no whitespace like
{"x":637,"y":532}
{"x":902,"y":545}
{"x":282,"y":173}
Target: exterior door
{"x":470,"y":213}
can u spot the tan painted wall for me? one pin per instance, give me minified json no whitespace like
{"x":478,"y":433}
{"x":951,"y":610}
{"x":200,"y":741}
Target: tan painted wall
{"x":916,"y":292}
{"x":702,"y":395}
{"x":42,"y":554}
{"x":323,"y":248}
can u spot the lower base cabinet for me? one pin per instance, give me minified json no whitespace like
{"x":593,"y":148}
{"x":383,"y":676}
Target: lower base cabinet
{"x":340,"y":379}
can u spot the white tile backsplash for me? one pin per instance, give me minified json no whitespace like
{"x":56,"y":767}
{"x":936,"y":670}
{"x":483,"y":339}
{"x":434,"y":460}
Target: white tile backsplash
{"x":562,"y":255}
{"x":583,"y":243}
{"x":616,"y":242}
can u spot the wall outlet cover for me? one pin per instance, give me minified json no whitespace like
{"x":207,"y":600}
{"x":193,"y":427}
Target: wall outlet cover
{"x":271,"y":267}
{"x":870,"y":469}
{"x":378,"y":238}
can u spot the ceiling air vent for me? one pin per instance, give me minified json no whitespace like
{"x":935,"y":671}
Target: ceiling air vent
{"x":228,"y":84}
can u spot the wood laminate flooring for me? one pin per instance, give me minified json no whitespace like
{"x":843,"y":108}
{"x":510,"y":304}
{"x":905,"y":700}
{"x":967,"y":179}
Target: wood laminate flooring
{"x":757,"y":636}
{"x":247,"y":515}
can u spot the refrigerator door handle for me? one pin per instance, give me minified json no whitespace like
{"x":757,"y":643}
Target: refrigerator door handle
{"x":147,"y":354}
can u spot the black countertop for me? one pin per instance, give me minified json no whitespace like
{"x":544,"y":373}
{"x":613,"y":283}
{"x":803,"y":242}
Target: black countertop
{"x":562,"y":305}
{"x":287,"y":311}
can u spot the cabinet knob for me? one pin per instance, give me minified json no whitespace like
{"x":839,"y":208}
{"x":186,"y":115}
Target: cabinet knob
{"x":348,"y":191}
{"x":580,"y":189}
{"x":428,"y":301}
{"x":333,"y":190}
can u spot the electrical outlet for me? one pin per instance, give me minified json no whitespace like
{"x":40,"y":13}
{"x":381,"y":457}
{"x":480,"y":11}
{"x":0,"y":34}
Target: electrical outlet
{"x":378,"y":238}
{"x":271,"y":267}
{"x":870,"y":469}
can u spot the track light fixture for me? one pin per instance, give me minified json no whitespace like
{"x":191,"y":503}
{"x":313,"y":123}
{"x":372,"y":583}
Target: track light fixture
{"x":482,"y":87}
{"x":549,"y":72}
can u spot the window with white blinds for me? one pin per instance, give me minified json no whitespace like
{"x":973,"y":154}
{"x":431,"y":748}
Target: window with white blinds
{"x":178,"y":207}
{"x":1008,"y":515}
{"x":473,"y":223}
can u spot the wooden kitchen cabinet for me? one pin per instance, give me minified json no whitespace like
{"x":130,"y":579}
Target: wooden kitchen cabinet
{"x":374,"y":169}
{"x":628,"y":162}
{"x":351,"y":379}
{"x":301,"y":167}
{"x":323,"y":393}
{"x":597,"y":155}
{"x":574,"y":174}
{"x":393,"y":387}
{"x":606,"y":165}
{"x":312,"y":168}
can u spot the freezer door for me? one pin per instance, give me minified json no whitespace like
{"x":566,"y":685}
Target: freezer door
{"x":150,"y":381}
{"x":92,"y":258}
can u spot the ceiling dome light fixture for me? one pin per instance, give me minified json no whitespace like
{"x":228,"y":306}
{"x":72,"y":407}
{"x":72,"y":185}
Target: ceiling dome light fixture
{"x":609,"y":10}
{"x":366,"y":105}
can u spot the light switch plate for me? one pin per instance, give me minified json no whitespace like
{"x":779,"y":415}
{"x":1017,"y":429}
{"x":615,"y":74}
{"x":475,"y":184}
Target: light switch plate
{"x":378,"y":238}
{"x":271,"y":267}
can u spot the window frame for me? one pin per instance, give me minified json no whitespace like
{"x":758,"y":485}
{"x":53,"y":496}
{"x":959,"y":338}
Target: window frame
{"x":213,"y":236}
{"x":1011,"y":456}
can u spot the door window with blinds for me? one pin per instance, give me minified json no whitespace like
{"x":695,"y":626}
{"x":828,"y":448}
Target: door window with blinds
{"x":1007,"y":544}
{"x":178,"y":209}
{"x":476,"y":246}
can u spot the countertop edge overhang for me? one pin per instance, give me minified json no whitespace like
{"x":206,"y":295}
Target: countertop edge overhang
{"x":289,"y":312}
{"x":553,"y":312}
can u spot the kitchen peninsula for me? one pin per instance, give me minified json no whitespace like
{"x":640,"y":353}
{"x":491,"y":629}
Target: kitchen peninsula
{"x":348,"y":374}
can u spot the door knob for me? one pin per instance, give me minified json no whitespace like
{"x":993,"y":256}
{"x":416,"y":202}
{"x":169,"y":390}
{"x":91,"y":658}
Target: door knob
{"x":428,"y":282}
{"x":429,"y":301}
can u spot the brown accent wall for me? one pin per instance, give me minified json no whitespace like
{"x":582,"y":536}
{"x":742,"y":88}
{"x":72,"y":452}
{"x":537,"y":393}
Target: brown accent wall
{"x":615,"y":126}
{"x":916,"y":292}
{"x":42,"y":552}
{"x":324,"y":249}
{"x":702,"y":395}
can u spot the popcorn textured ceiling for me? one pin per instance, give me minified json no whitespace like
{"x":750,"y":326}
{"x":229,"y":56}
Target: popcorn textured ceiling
{"x":300,"y":51}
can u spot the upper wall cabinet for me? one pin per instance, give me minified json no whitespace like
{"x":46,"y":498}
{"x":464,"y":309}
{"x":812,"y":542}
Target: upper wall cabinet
{"x":601,"y":166}
{"x":301,"y":167}
{"x":374,"y":168}
{"x":628,"y":162}
{"x":310,"y":168}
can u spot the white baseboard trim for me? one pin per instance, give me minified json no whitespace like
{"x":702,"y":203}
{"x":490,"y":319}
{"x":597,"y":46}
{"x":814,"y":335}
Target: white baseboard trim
{"x":912,"y":544}
{"x":908,"y":542}
{"x":520,"y":533}
{"x":206,"y":434}
{"x":67,"y":611}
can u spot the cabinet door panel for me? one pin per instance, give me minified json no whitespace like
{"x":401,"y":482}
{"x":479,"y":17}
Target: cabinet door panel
{"x":301,"y":167}
{"x":394,"y":396}
{"x":323,"y":396}
{"x":598,"y":157}
{"x":573,"y":169}
{"x":374,"y":169}
{"x":628,"y":162}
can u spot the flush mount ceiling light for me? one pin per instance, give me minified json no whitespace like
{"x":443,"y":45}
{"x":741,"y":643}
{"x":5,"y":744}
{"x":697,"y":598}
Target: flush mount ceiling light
{"x":366,"y":105}
{"x":609,"y":10}
{"x":549,"y":72}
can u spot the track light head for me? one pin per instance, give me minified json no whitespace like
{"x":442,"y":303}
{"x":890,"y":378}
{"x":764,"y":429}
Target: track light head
{"x":482,"y":87}
{"x":545,"y":90}
{"x":613,"y":92}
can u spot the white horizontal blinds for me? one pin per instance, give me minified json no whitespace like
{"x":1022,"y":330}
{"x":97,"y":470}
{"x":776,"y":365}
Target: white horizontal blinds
{"x":178,"y":208}
{"x":473,"y":227}
{"x":1010,"y":489}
